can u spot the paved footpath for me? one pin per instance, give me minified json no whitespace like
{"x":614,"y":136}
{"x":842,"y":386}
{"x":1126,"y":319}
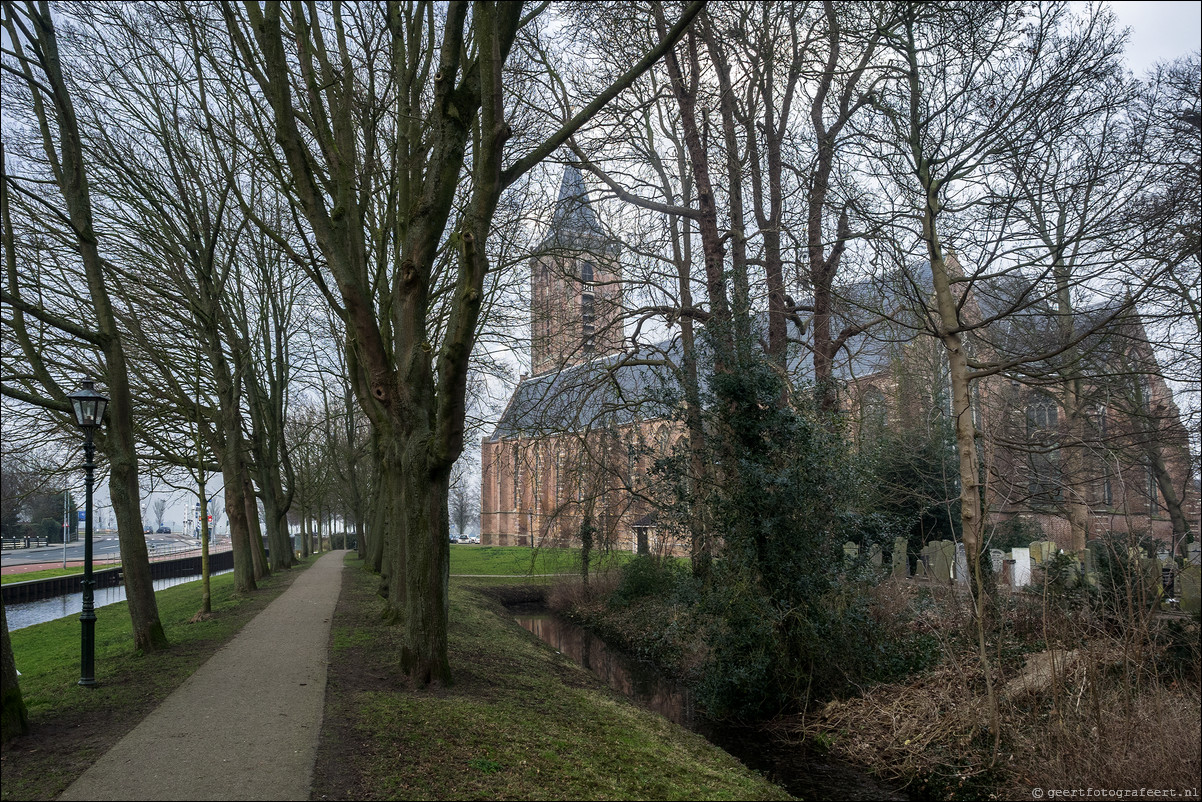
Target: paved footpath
{"x":246,"y":724}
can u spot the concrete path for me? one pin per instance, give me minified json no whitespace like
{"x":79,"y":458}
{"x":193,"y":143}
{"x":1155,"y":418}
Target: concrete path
{"x":246,"y":724}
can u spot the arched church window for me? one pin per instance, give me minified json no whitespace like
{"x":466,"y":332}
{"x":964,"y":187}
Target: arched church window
{"x":586,"y":272}
{"x":1043,"y":470}
{"x":1042,"y":417}
{"x":517,"y":477}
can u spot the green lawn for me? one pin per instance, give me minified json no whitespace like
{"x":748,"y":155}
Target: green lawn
{"x":465,"y":559}
{"x":522,"y":561}
{"x":521,"y":721}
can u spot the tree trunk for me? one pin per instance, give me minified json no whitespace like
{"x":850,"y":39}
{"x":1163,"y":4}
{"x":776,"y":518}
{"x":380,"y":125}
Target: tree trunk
{"x":258,"y":553}
{"x":14,"y":719}
{"x":427,"y":572}
{"x":235,"y":509}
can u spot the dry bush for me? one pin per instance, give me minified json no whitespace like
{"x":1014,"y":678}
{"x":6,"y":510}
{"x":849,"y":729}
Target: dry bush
{"x":1088,"y":700}
{"x":1101,"y":734}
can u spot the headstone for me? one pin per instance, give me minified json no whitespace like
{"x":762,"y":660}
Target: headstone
{"x":1073,"y":577}
{"x":961,"y":564}
{"x":1042,"y":551}
{"x":944,"y":554}
{"x":920,"y":569}
{"x":874,"y":555}
{"x":1195,"y":553}
{"x":901,"y":560}
{"x":1047,"y":550}
{"x":1021,"y":576}
{"x":996,"y":557}
{"x":1091,"y":566}
{"x":1188,"y":584}
{"x":850,"y":551}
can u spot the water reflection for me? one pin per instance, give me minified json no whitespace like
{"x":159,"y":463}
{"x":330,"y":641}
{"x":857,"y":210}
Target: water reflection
{"x":644,"y":685}
{"x":27,"y":614}
{"x":784,"y":762}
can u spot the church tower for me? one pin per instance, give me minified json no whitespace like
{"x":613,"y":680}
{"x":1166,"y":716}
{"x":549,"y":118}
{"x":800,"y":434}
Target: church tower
{"x":575,"y":285}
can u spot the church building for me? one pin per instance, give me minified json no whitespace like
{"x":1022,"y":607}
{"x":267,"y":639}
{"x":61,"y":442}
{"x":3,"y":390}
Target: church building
{"x":572,"y":453}
{"x":574,"y":444}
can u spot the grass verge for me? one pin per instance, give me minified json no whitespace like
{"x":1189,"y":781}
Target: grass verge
{"x":72,"y":726}
{"x":517,"y":560}
{"x":520,"y":722}
{"x":45,"y":573}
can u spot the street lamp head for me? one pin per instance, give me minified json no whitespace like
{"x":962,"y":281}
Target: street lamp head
{"x":88,"y":406}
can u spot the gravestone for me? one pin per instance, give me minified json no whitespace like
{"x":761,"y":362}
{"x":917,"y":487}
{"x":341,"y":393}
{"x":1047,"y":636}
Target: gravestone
{"x":1042,"y":551}
{"x":1021,"y":576}
{"x":996,"y":556}
{"x":1195,"y":553}
{"x":901,"y":560}
{"x":1188,"y":589}
{"x":944,"y":555}
{"x":961,"y":564}
{"x":920,"y":568}
{"x":926,"y":560}
{"x":874,"y":555}
{"x":1091,"y":566}
{"x":850,"y":551}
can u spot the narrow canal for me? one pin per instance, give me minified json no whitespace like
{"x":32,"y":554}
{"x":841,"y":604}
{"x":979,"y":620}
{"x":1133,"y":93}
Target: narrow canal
{"x":785,"y":762}
{"x":27,"y":614}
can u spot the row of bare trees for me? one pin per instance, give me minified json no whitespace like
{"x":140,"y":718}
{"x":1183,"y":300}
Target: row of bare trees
{"x":195,"y":192}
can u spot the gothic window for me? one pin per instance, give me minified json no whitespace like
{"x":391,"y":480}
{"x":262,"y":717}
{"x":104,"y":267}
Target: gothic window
{"x":517,"y":478}
{"x":631,"y":460}
{"x":1150,"y":490}
{"x":558,"y":476}
{"x":580,"y":475}
{"x":534,"y":477}
{"x":1041,"y":417}
{"x":498,"y":465}
{"x":1044,"y":458}
{"x":586,"y":272}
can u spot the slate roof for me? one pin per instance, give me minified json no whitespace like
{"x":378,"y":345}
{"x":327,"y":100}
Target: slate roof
{"x":614,"y":390}
{"x":608,"y":391}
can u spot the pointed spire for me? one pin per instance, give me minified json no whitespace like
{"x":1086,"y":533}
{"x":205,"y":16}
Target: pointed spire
{"x":573,"y":212}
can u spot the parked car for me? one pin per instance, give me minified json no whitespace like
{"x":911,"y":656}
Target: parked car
{"x":473,"y":539}
{"x":147,"y":530}
{"x":454,"y":539}
{"x":164,"y":530}
{"x":463,"y":538}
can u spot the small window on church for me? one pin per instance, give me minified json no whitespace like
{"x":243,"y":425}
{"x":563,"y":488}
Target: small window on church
{"x":1151,"y":490}
{"x":586,"y":272}
{"x":1041,"y":417}
{"x":517,"y":477}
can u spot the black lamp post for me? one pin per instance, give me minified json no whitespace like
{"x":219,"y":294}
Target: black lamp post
{"x":89,"y":407}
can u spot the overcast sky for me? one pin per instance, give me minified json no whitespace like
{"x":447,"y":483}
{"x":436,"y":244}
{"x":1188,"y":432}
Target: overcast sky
{"x":1159,"y":31}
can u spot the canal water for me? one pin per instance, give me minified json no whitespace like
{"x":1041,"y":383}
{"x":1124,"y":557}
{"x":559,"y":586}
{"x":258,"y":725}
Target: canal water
{"x":27,"y":614}
{"x":783,"y":761}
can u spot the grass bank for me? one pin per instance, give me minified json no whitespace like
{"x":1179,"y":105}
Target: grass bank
{"x":520,"y":721}
{"x":517,"y":561}
{"x":72,"y":726}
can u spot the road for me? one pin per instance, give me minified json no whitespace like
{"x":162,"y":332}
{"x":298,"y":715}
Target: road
{"x":105,"y":548}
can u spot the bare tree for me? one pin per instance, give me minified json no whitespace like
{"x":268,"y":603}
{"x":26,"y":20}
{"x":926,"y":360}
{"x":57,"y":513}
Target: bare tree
{"x":32,"y":58}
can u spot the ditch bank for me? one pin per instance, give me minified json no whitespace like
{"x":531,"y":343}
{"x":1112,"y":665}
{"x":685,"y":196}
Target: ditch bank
{"x":785,"y":761}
